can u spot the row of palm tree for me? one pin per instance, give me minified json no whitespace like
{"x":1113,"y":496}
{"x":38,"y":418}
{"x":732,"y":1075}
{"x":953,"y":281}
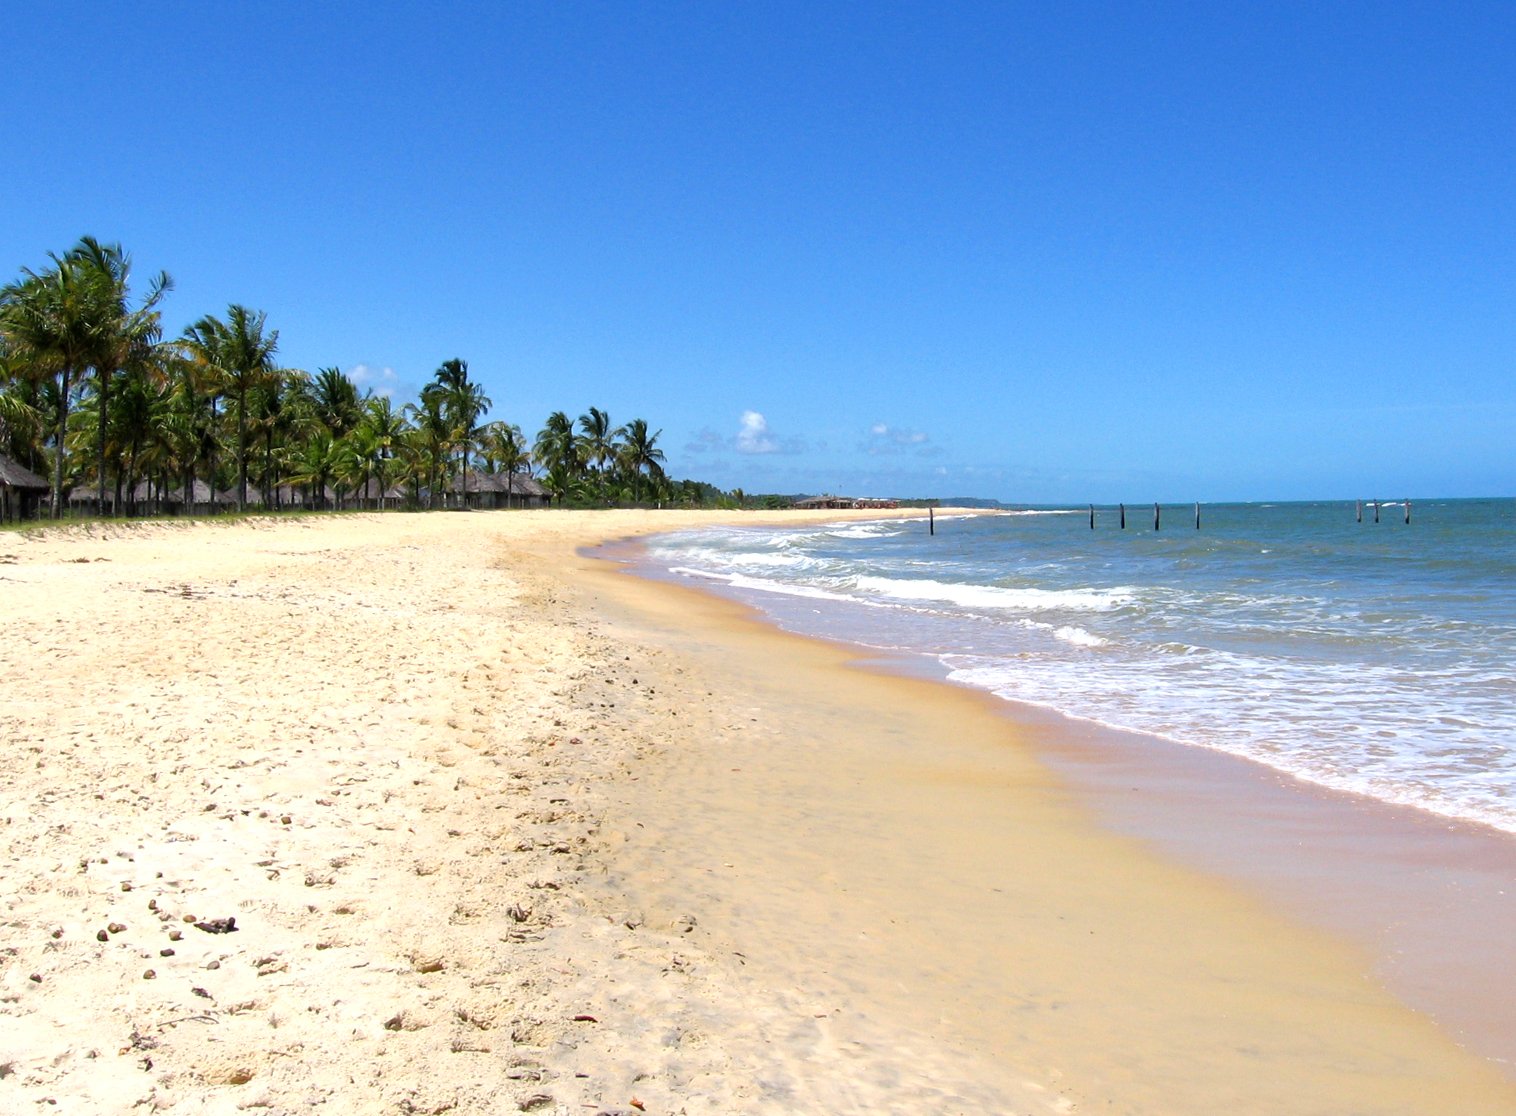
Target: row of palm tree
{"x":597,"y":462}
{"x":68,"y":320}
{"x":92,"y":392}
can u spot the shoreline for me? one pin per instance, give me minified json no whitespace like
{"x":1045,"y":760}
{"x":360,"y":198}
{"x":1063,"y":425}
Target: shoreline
{"x":517,"y":852}
{"x":1432,"y":898}
{"x":1120,"y":858}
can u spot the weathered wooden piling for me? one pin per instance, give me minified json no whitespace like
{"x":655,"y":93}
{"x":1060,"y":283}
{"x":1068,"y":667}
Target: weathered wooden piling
{"x":1197,"y":515}
{"x":1092,"y":517}
{"x":1407,"y":511}
{"x":931,"y":522}
{"x":1123,"y":517}
{"x":1157,"y":515}
{"x":1360,"y":511}
{"x":1376,"y":511}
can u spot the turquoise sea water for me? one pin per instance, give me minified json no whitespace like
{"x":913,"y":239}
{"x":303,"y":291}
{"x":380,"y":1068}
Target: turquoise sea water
{"x":1375,"y":658}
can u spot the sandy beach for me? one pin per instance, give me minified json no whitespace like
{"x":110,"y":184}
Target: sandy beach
{"x":402,"y":813}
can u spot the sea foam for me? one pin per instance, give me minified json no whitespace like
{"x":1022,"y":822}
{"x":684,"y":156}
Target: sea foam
{"x":1378,"y":659}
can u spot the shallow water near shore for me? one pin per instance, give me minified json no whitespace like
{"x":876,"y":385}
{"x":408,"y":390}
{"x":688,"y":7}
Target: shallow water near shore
{"x":899,"y":849}
{"x":1367,"y":657}
{"x":1189,"y":732}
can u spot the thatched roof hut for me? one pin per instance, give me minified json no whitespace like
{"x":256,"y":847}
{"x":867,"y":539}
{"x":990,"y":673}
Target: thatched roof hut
{"x":371,"y":495}
{"x":846,"y":502}
{"x":21,"y":490}
{"x":15,"y":475}
{"x":500,"y":490}
{"x":284,"y":496}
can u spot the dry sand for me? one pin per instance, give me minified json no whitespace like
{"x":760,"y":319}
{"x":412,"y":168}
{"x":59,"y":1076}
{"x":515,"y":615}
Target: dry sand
{"x":502,"y":828}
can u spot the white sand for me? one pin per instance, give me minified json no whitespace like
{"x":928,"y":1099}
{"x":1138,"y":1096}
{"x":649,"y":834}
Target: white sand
{"x":375,"y":742}
{"x":474,"y":809}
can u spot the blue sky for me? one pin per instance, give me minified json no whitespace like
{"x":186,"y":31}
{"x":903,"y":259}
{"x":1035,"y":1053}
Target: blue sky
{"x":1043,"y":252}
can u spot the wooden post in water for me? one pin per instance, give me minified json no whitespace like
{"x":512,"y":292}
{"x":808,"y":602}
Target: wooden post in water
{"x":1123,"y":517}
{"x":1092,"y":517}
{"x":1360,"y":511}
{"x":931,"y":522}
{"x":1156,"y":516}
{"x":1376,"y":511}
{"x":1407,"y":511}
{"x":1197,"y":515}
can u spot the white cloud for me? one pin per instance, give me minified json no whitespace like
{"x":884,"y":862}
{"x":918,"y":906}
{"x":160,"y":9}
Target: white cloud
{"x":884,"y":438}
{"x":705,"y":441}
{"x":753,"y":436}
{"x":382,"y":381}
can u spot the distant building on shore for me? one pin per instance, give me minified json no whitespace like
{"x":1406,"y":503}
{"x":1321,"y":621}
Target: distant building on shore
{"x":846,"y":502}
{"x":22,"y":491}
{"x":502,"y":490}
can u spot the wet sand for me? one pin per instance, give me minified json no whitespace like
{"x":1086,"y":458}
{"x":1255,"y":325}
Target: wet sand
{"x":505,"y":829}
{"x":1431,"y":899}
{"x":903,"y":825}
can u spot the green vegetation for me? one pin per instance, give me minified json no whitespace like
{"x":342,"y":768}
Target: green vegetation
{"x":126,"y":422}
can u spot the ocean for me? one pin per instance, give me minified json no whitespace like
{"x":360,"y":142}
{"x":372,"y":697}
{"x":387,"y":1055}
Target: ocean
{"x":1376,"y":658}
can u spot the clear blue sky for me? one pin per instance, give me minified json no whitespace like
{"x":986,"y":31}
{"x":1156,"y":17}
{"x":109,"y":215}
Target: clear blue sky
{"x":1040,"y":252}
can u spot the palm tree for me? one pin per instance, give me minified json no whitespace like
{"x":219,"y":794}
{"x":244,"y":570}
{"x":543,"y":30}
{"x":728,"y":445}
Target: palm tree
{"x":338,"y":404}
{"x":199,"y":388}
{"x":638,"y":452}
{"x":566,"y":483}
{"x":278,"y":410}
{"x":47,"y":320}
{"x":21,"y":419}
{"x":241,"y":351}
{"x":463,"y":401}
{"x":313,"y":462}
{"x":119,"y":334}
{"x":354,"y":462}
{"x":557,"y":451}
{"x":599,"y":439}
{"x":388,"y":427}
{"x":186,"y":426}
{"x":468,"y":406}
{"x":140,"y":400}
{"x":505,"y":448}
{"x":431,"y":440}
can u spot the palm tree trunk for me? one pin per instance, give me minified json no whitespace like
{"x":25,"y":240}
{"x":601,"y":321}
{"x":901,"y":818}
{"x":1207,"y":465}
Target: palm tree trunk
{"x":210,"y":464}
{"x":268,"y":469}
{"x":131,"y":480}
{"x":241,"y":451}
{"x":57,"y":509}
{"x":104,"y":392}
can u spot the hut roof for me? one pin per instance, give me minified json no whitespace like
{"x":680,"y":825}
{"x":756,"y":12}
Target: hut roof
{"x":520,"y":484}
{"x":287,"y":495}
{"x":371,"y":491}
{"x":202,"y":493}
{"x":15,"y":475}
{"x":142,"y":491}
